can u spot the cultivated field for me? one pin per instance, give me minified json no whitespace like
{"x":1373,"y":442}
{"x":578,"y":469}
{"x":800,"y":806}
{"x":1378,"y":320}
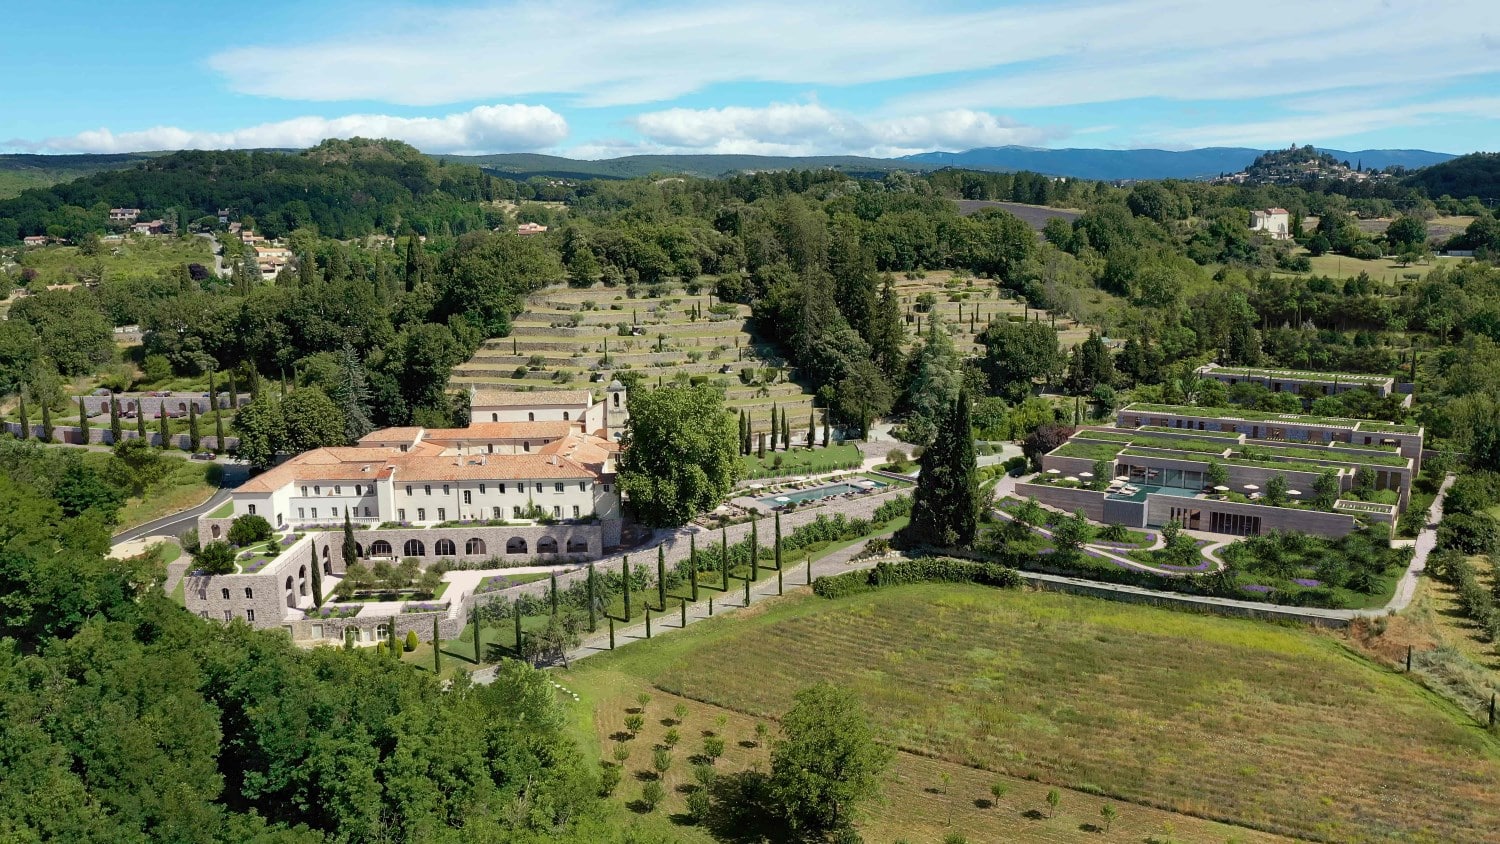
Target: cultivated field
{"x":1270,"y":728}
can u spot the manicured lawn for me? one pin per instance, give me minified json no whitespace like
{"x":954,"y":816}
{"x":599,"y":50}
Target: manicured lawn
{"x":138,"y":257}
{"x":801,"y":461}
{"x":1265,"y":726}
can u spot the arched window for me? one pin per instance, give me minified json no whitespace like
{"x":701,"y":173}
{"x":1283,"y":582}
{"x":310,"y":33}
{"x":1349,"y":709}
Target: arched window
{"x":474,"y":546}
{"x":325,"y":551}
{"x":414,"y":548}
{"x":515,"y":545}
{"x":327,"y":567}
{"x":617,"y":399}
{"x":302,"y":581}
{"x":546,"y":545}
{"x":215,"y":531}
{"x":578,"y":545}
{"x":531,"y":417}
{"x":444,"y":548}
{"x":494,"y":417}
{"x":565,"y":416}
{"x":380,"y":548}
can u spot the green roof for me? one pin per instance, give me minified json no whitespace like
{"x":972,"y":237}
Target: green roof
{"x":1298,"y":375}
{"x":1245,"y":414}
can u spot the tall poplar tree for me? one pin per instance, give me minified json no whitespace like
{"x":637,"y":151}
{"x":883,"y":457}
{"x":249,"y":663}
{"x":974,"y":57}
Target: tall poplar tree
{"x":195,"y":439}
{"x":945,"y":508}
{"x":83,"y":422}
{"x":115,"y":431}
{"x":25,"y":420}
{"x":46,"y":422}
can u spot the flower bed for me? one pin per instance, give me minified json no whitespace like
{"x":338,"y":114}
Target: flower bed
{"x":334,"y":611}
{"x":416,"y":608}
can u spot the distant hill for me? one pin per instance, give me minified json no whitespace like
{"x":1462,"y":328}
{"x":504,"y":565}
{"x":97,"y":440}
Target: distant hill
{"x":525,"y":165}
{"x":1475,"y":174}
{"x":1112,"y":164}
{"x":20,"y":172}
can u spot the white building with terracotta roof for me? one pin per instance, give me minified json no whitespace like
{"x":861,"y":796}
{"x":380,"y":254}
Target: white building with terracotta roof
{"x":605,"y":418}
{"x":495,"y":471}
{"x":1275,"y":222}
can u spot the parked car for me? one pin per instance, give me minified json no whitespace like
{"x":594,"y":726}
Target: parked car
{"x":203,"y":455}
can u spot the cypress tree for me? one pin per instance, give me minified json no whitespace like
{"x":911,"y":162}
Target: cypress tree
{"x":754,"y":547}
{"x":812,"y":428}
{"x":83,"y":422}
{"x":234,"y":396}
{"x":349,"y":551}
{"x":114,"y":419}
{"x":625,"y":576}
{"x":140,"y":421}
{"x":317,"y":575}
{"x":437,"y":648}
{"x":661,"y":578}
{"x":778,"y":540}
{"x":945,"y":507}
{"x":218,"y":430}
{"x":648,"y":621}
{"x":693,"y":564}
{"x":520,"y":637}
{"x":760,"y":448}
{"x":553,"y":594}
{"x":46,"y":422}
{"x":593,"y":610}
{"x":395,"y":649}
{"x":786,"y":433}
{"x":163,"y":428}
{"x":747,"y":591}
{"x":474,"y":617}
{"x":774,"y":429}
{"x":724,"y":549}
{"x":25,"y":420}
{"x":194,"y":438}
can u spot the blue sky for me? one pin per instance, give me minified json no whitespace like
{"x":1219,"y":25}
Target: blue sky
{"x":593,"y":78}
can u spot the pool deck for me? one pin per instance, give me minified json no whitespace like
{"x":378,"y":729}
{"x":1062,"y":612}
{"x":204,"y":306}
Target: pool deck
{"x":1143,"y":490}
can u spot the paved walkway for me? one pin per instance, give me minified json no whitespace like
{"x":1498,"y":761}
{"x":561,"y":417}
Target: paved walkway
{"x":1406,"y":588}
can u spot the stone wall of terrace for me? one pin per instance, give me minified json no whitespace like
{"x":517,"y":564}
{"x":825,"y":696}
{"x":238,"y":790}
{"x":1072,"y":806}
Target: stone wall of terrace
{"x":511,"y":543}
{"x":1065,"y":498}
{"x":1318,"y":522}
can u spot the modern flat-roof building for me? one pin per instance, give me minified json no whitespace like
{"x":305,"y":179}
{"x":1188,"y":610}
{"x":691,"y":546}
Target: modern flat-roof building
{"x":1297,"y":380}
{"x":1160,"y":461}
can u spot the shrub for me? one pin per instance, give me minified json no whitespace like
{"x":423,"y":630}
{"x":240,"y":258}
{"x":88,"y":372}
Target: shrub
{"x":609,"y":780}
{"x":925,"y":570}
{"x":1471,"y":534}
{"x":247,"y":530}
{"x":215,"y":558}
{"x":411,"y":641}
{"x":699,"y":805}
{"x":652,"y":794}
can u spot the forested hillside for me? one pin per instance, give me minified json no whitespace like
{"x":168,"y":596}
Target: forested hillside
{"x":1477,"y":174}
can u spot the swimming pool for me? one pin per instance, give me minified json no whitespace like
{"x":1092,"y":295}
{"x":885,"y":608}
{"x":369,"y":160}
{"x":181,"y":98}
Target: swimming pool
{"x":817,"y":493}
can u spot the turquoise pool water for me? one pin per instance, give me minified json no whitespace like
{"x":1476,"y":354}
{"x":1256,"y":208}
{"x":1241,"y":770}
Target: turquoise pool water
{"x":1143,"y":490}
{"x":815,"y":493}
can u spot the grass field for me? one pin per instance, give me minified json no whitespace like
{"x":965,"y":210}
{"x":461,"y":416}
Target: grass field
{"x":189,"y":485}
{"x":1271,"y":728}
{"x":138,"y":256}
{"x":802,"y":461}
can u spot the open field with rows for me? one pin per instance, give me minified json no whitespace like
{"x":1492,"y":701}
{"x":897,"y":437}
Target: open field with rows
{"x":1271,"y":728}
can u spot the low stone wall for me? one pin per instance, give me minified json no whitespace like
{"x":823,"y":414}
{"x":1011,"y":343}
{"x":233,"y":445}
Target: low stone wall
{"x":1271,"y":518}
{"x":177,"y":405}
{"x":1064,"y":498}
{"x":586,"y":540}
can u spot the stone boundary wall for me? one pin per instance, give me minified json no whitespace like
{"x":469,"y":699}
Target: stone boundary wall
{"x":494,"y":539}
{"x":176,"y":404}
{"x":1064,"y":498}
{"x":1191,"y":603}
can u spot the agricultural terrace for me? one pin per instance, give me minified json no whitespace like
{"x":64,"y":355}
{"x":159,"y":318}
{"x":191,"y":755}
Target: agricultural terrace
{"x":570,"y":338}
{"x":1270,"y":728}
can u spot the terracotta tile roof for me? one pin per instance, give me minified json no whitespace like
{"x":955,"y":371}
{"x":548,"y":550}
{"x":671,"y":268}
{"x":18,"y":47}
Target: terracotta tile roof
{"x":391,"y":435}
{"x":498,"y":467}
{"x":538,"y":398}
{"x":589,"y":450}
{"x":324,"y":464}
{"x":481,"y":431}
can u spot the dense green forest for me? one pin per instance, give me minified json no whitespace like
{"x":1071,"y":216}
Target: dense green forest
{"x":125,"y":719}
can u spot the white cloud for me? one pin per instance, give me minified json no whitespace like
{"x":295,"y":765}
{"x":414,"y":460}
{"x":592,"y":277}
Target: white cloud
{"x":490,"y":128}
{"x":813,"y":129}
{"x":1030,"y":53}
{"x":1326,"y":126}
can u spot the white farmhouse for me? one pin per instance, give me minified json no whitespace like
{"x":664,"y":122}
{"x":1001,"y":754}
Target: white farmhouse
{"x":1275,"y":222}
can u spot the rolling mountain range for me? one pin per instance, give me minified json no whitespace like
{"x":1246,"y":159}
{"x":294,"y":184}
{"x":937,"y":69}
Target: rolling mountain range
{"x":18,"y":172}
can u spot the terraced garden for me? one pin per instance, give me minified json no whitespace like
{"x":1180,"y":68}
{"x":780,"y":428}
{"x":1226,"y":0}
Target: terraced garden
{"x":571,"y":338}
{"x":1271,"y":728}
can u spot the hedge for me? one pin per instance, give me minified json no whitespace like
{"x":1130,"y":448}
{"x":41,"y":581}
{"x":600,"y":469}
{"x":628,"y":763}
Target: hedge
{"x":925,"y":570}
